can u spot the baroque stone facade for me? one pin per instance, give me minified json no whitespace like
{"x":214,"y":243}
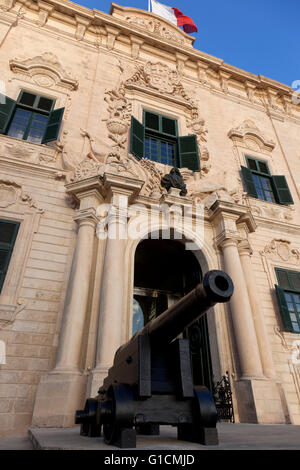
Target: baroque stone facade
{"x":60,"y":318}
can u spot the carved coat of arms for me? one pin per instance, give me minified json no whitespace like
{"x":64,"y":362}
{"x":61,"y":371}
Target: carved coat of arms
{"x":160,"y":77}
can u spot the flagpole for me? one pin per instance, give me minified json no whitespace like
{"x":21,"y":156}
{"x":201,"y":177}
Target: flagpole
{"x":148,"y":5}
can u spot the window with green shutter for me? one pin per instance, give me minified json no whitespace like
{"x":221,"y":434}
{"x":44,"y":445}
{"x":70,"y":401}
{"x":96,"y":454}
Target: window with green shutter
{"x":261,"y":184}
{"x":30,"y":118}
{"x":157,"y":139}
{"x":8,"y":235}
{"x":288,"y":295}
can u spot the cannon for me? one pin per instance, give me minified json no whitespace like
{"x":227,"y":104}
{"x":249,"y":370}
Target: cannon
{"x":150,"y":383}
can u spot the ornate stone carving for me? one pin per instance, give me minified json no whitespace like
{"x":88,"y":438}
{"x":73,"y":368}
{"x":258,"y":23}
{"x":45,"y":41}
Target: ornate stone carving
{"x":11,"y":193}
{"x":280,"y":249}
{"x":251,"y":137}
{"x":160,"y":77}
{"x":8,"y":314}
{"x":119,"y":110}
{"x":45,"y":70}
{"x":7,"y":5}
{"x":219,"y":186}
{"x":156,"y":27}
{"x":8,"y":195}
{"x":269,"y":211}
{"x":26,"y":151}
{"x":144,"y":170}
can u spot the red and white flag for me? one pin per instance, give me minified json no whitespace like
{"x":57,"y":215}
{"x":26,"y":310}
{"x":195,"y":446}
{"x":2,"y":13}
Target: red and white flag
{"x":175,"y":16}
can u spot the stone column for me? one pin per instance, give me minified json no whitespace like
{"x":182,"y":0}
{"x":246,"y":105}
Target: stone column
{"x":258,"y":397}
{"x":120,"y":192}
{"x":260,"y":327}
{"x":62,"y":390}
{"x":240,"y":307}
{"x":69,"y":350}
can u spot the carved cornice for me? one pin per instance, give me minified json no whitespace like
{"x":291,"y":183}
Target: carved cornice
{"x":248,"y":135}
{"x":45,"y":70}
{"x":277,"y":95}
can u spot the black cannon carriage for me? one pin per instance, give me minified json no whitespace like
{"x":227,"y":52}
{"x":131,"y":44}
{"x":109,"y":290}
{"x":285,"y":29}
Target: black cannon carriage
{"x":150,"y":383}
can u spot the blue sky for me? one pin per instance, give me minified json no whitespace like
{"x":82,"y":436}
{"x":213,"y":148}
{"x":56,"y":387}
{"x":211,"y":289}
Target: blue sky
{"x":260,"y":36}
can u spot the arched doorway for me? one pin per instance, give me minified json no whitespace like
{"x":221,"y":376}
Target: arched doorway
{"x":163,"y":273}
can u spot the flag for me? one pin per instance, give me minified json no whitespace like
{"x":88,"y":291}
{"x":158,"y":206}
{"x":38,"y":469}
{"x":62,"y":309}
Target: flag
{"x":175,"y":16}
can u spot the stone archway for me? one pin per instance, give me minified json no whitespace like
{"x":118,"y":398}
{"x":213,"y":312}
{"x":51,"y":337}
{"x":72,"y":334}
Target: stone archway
{"x":164,"y":271}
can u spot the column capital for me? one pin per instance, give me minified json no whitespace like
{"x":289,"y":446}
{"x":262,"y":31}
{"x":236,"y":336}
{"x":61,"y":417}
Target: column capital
{"x":231,"y":221}
{"x":226,"y":240}
{"x":244,"y":248}
{"x":115,"y":186}
{"x":86,"y":217}
{"x":87,"y":192}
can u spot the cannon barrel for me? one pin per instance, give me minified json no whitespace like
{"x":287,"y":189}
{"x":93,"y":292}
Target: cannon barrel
{"x":216,"y":287}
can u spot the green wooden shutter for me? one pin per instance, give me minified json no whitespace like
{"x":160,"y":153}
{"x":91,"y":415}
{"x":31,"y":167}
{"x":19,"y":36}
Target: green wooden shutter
{"x":188,"y":152}
{"x":8,"y":234}
{"x":248,"y":180}
{"x":282,"y":190}
{"x":283,"y":308}
{"x":137,"y":138}
{"x":53,"y":125}
{"x":7,"y":106}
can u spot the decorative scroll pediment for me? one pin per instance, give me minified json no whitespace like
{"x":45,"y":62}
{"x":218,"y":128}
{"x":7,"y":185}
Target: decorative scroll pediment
{"x":251,"y":137}
{"x":153,"y":24}
{"x":45,"y":70}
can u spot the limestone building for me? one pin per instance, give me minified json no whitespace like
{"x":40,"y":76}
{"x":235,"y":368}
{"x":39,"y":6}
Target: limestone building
{"x":95,"y":109}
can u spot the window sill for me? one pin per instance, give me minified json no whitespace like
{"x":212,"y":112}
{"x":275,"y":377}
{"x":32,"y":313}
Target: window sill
{"x":30,"y":152}
{"x":15,"y":139}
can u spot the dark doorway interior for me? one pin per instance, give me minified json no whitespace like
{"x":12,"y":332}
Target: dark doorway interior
{"x":164,"y":272}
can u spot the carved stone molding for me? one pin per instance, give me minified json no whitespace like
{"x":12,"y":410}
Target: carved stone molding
{"x":156,"y":27}
{"x":271,"y":211}
{"x":248,"y":135}
{"x":217,"y":186}
{"x":11,"y":194}
{"x":280,"y":250}
{"x":27,"y":152}
{"x":44,"y":11}
{"x":81,"y":26}
{"x":45,"y":70}
{"x":7,"y":5}
{"x":8,"y":314}
{"x":118,"y":122}
{"x":165,"y":82}
{"x":145,"y":170}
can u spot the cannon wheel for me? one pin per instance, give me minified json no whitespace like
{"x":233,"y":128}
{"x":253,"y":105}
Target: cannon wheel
{"x":117,"y":430}
{"x":203,"y":429}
